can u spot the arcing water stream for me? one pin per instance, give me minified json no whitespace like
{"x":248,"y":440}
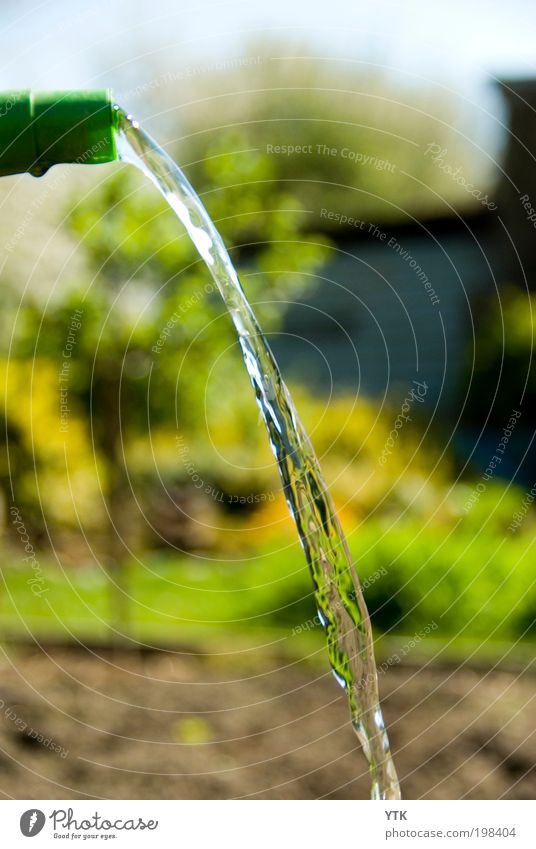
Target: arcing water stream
{"x":339,"y":598}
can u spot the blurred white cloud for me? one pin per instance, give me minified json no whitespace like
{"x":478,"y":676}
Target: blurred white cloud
{"x":64,"y":43}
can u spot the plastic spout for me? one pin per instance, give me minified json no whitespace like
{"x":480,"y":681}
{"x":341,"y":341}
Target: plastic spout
{"x":42,"y":129}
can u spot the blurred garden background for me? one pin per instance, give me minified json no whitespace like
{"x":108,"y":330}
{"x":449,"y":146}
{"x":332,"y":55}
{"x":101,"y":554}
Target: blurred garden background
{"x":383,"y":230}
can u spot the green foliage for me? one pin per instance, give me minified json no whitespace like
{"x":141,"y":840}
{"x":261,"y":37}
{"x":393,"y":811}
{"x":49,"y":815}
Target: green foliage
{"x":51,"y":474}
{"x":154,"y":291}
{"x":475,"y":587}
{"x":472,"y":586}
{"x":148,"y":326}
{"x":155,"y":356}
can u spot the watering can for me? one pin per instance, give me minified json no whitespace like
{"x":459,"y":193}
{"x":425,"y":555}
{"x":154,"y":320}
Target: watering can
{"x":42,"y":129}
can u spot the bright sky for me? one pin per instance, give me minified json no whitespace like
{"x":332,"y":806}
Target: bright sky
{"x":66,"y":43}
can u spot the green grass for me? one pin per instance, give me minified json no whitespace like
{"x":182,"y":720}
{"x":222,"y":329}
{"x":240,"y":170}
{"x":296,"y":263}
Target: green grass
{"x":475,"y":587}
{"x":170,"y":598}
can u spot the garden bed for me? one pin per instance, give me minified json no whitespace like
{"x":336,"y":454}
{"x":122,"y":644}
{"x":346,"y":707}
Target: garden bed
{"x":78,"y":723}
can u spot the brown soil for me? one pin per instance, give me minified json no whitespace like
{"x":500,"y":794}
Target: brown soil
{"x":180,"y":725}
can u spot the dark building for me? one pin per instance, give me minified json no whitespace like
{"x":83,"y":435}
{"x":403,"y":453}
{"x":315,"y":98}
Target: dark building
{"x":516,"y":195}
{"x":393,"y":307}
{"x":398,"y":305}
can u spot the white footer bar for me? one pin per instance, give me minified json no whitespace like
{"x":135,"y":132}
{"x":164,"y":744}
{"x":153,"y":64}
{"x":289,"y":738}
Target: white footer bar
{"x":268,"y":824}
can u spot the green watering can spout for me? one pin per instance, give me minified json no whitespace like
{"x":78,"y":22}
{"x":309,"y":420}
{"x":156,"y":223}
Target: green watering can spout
{"x":42,"y":129}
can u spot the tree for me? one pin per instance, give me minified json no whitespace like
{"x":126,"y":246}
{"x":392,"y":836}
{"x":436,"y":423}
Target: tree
{"x":123,"y":337}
